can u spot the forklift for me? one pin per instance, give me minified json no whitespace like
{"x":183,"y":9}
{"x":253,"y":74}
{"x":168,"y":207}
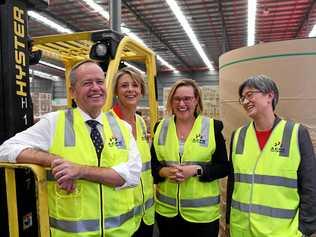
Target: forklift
{"x":23,"y":191}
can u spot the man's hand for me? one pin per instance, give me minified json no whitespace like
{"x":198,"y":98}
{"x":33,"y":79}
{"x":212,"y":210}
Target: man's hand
{"x":65,"y":173}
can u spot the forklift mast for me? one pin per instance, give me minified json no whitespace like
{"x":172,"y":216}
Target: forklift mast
{"x":16,"y":113}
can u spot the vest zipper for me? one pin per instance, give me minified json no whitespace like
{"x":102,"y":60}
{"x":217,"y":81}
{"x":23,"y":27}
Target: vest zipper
{"x":253,"y":176}
{"x":143,"y":195}
{"x":178,"y":193}
{"x":101,"y":203}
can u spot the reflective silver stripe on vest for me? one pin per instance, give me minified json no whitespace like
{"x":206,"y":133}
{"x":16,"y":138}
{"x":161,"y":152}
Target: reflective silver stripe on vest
{"x":266,"y":179}
{"x":241,"y":139}
{"x":116,"y":131}
{"x":69,"y":139}
{"x":195,"y":163}
{"x":264,"y":210}
{"x":171,"y":163}
{"x":146,"y":166}
{"x":116,"y":221}
{"x":285,"y":145}
{"x":163,"y":132}
{"x":74,"y":226}
{"x":138,"y":210}
{"x":149,"y":203}
{"x":205,"y":131}
{"x":286,"y":139}
{"x":165,"y":199}
{"x":201,"y":202}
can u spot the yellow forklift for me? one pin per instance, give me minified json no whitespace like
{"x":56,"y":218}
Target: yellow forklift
{"x":111,"y":49}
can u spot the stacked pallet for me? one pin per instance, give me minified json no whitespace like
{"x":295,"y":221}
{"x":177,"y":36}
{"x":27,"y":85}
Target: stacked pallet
{"x":166,"y":91}
{"x":210,"y":99}
{"x":42,"y":103}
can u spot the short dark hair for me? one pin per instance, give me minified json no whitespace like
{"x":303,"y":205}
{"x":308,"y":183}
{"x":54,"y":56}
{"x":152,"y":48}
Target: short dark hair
{"x":263,"y":84}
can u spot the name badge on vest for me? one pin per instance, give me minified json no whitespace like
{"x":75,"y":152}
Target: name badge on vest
{"x":114,"y":141}
{"x":277,"y":147}
{"x":199,"y":139}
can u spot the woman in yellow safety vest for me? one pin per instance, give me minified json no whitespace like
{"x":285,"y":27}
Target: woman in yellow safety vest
{"x":272,"y":189}
{"x":188,"y":158}
{"x":129,"y":87}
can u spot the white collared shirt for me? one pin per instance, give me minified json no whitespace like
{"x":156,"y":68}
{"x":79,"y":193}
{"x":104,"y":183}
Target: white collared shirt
{"x":40,"y":136}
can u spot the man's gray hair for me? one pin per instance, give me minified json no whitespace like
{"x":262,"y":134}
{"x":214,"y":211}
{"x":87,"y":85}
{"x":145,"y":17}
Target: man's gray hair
{"x":263,"y":84}
{"x":72,"y":75}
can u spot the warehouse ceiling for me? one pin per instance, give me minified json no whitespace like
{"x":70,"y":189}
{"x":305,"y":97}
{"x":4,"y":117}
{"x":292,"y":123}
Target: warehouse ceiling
{"x":219,"y":25}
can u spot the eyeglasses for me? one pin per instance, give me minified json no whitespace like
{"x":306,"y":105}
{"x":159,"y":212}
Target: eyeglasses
{"x":185,"y":99}
{"x":249,"y":95}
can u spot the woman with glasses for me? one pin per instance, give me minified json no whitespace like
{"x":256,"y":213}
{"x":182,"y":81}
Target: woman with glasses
{"x":129,"y":87}
{"x":272,"y":187}
{"x":188,"y":158}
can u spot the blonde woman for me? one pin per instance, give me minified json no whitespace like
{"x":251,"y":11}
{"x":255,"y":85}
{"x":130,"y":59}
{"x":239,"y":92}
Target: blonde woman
{"x":188,"y":158}
{"x":129,"y":87}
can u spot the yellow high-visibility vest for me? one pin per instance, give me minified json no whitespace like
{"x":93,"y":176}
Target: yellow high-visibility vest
{"x":196,"y":201}
{"x":265,"y":200}
{"x":92,"y":208}
{"x":144,"y":192}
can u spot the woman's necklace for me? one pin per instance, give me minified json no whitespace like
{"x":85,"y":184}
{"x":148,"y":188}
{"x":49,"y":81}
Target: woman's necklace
{"x":183,"y":129}
{"x":183,"y":133}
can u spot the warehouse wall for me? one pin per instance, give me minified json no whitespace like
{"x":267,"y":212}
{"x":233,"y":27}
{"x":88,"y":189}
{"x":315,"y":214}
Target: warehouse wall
{"x":168,"y":78}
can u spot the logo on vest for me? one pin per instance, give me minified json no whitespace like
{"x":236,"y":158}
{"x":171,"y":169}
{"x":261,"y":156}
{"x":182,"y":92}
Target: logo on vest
{"x":198,"y":139}
{"x":144,"y":137}
{"x":277,"y":147}
{"x":114,"y":141}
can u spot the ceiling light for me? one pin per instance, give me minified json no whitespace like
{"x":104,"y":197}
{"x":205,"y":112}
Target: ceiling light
{"x":136,"y":68}
{"x":132,"y":35}
{"x":124,"y":29}
{"x":252,"y":8}
{"x":313,"y":32}
{"x":51,"y":65}
{"x":44,"y":75}
{"x":188,"y":30}
{"x":97,"y":8}
{"x":167,"y":64}
{"x":50,"y":23}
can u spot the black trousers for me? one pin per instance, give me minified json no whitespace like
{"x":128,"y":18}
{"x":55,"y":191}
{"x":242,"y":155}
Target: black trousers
{"x":144,"y":230}
{"x":177,"y":226}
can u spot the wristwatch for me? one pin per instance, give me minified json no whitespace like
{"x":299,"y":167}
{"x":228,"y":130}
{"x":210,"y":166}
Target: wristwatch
{"x":199,"y":171}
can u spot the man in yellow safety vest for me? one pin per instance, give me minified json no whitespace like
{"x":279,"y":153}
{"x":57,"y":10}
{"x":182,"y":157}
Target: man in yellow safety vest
{"x":93,"y":157}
